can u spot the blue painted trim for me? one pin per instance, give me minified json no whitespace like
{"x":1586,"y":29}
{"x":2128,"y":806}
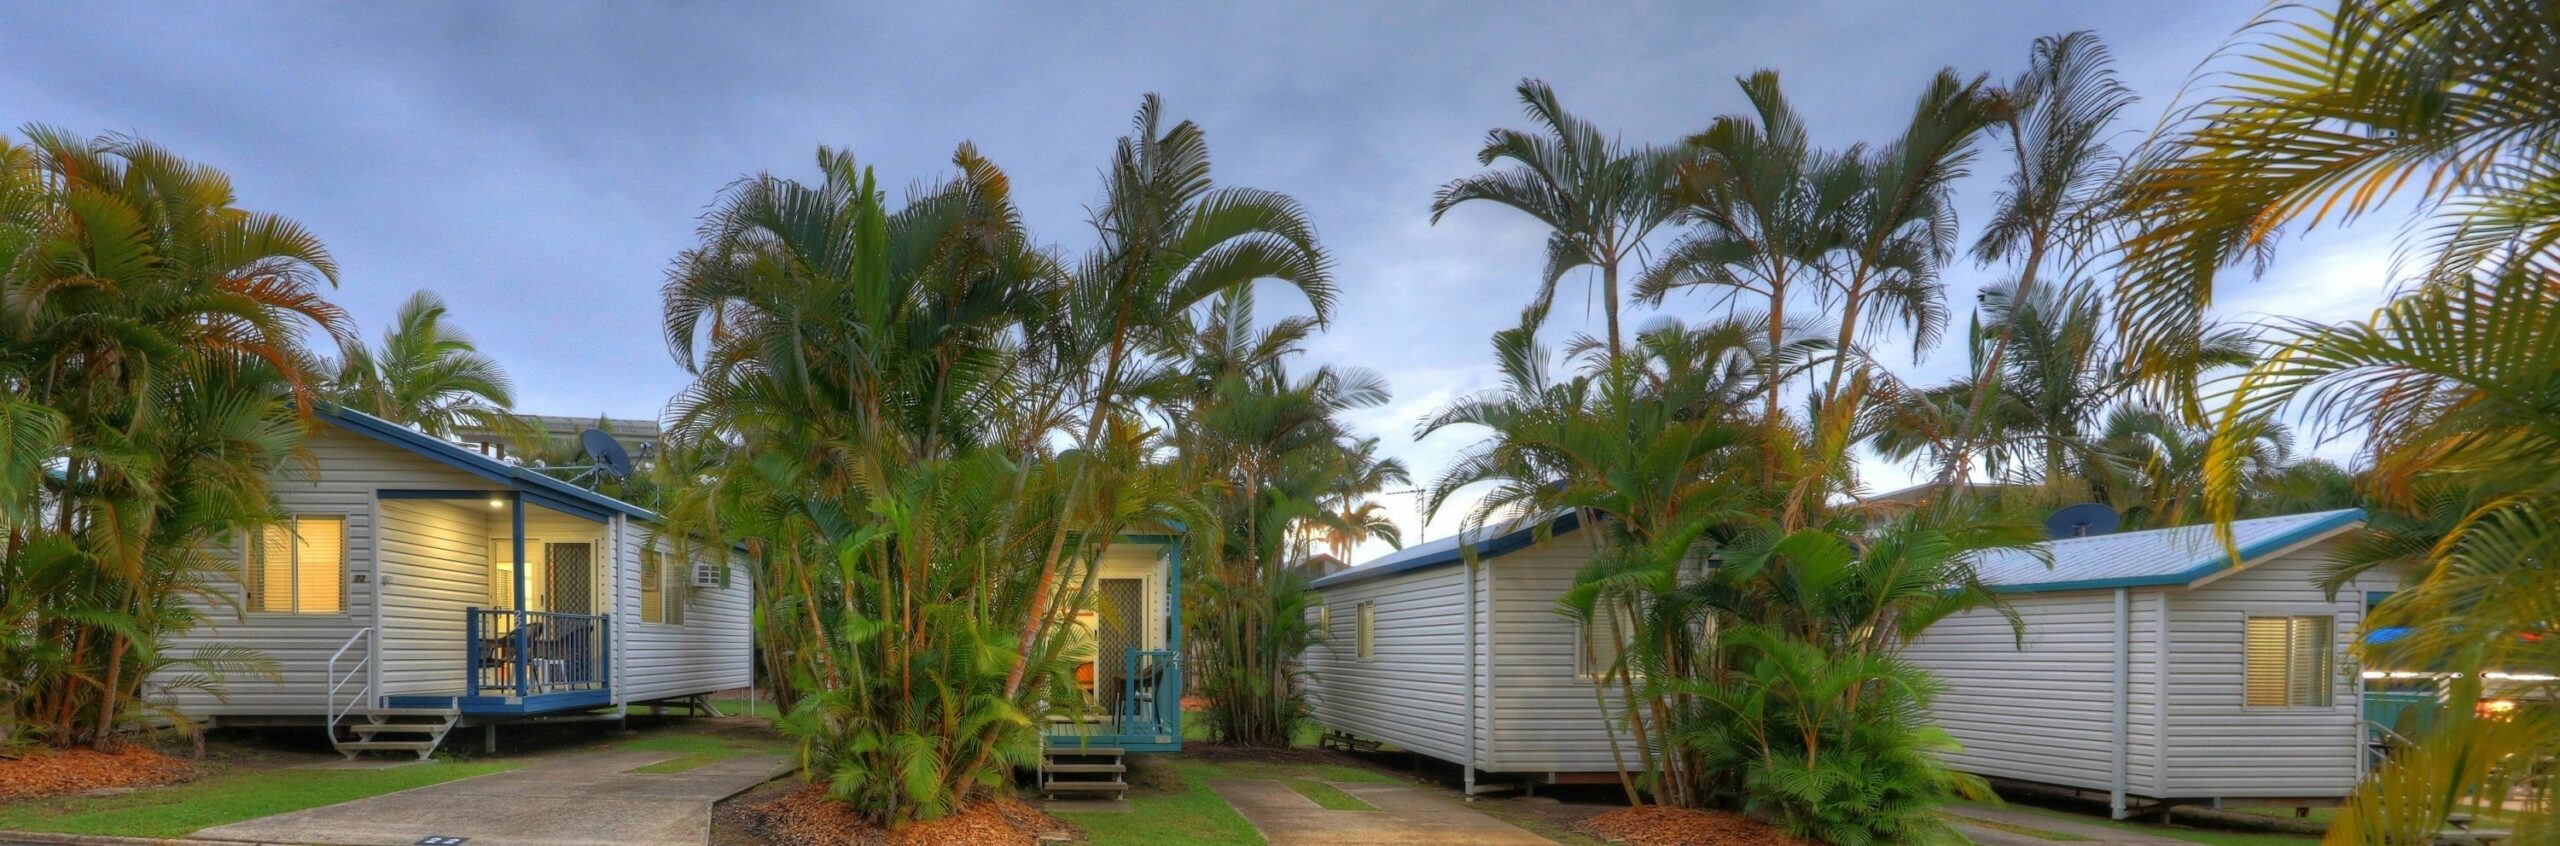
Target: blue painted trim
{"x":2375,"y":597}
{"x":541,"y":489}
{"x":506,"y":706}
{"x":1423,"y":558}
{"x":2210,"y":565}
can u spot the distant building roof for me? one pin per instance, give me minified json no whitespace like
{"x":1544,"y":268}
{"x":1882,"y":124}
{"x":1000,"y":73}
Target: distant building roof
{"x":2156,"y":557}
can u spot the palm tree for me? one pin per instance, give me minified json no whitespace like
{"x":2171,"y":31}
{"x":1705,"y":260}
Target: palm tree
{"x":427,"y":374}
{"x":1598,"y":198}
{"x":1169,"y":240}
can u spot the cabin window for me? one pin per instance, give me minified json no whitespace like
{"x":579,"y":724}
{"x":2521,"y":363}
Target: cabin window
{"x":299,"y":566}
{"x":1366,"y":630}
{"x":2291,"y":662}
{"x":1324,"y":621}
{"x":661,"y":589}
{"x":1609,"y":626}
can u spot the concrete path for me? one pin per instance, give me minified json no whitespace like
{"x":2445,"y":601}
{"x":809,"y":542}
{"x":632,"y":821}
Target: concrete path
{"x":2093,"y":834}
{"x":1405,"y":816}
{"x":573,"y":800}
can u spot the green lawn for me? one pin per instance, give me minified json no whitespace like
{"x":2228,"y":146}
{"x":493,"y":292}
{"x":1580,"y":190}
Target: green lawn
{"x":697,"y":749}
{"x":225,"y":795}
{"x":1169,"y":805}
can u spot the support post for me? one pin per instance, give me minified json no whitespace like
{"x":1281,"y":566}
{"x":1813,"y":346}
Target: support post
{"x":2123,"y":692}
{"x":1472,"y":687}
{"x":524,"y":641}
{"x":489,"y":738}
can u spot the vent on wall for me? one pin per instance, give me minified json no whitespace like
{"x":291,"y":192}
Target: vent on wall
{"x":705,"y":576}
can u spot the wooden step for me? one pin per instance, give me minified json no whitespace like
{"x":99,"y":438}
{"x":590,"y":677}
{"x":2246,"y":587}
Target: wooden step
{"x":1086,"y":768}
{"x":1085,"y":787}
{"x":414,"y":712}
{"x":1085,"y":751}
{"x":418,"y":746}
{"x":397,"y":728}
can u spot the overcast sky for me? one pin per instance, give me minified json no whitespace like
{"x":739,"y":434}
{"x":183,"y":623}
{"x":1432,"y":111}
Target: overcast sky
{"x":538,"y":164}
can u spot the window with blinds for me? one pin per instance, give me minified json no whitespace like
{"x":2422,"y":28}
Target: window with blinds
{"x":299,"y":566}
{"x":2291,"y":662}
{"x":1324,"y":621}
{"x":1366,"y":631}
{"x":662,"y":592}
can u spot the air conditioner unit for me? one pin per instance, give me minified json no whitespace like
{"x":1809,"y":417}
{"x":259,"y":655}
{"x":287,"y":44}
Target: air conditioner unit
{"x":706,"y":576}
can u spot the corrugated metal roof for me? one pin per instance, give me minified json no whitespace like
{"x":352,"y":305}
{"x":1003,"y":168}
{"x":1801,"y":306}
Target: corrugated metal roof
{"x":1446,"y":550}
{"x":2156,"y":557}
{"x":2128,"y":559}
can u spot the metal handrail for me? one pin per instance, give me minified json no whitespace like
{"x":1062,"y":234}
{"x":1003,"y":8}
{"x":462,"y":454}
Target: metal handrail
{"x":339,"y":681}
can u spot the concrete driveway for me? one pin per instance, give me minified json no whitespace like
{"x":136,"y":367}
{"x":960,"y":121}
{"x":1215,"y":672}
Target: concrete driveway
{"x":571,"y":800}
{"x":1405,"y":816}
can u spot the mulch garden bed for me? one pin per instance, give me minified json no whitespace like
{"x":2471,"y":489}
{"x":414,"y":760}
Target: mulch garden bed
{"x":55,"y":772}
{"x":1656,"y":825}
{"x":805,"y":817}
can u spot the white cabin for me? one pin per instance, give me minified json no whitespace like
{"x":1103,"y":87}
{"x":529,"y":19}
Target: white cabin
{"x":1473,"y":664}
{"x":418,"y":582}
{"x":2153,"y":666}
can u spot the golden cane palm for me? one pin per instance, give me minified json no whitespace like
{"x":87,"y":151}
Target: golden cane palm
{"x":2337,"y":112}
{"x":1599,"y":198}
{"x":152,"y":361}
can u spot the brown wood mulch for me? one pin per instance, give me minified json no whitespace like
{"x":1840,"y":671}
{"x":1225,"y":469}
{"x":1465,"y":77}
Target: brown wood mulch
{"x":1656,"y":825}
{"x":806,"y":817}
{"x":54,"y":772}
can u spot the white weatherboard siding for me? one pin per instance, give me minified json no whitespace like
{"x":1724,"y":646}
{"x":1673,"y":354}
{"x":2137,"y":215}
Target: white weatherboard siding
{"x":349,"y":468}
{"x":2219,"y":747}
{"x":1545,"y":718}
{"x":710,"y":652}
{"x":1413,"y":693}
{"x":2043,"y":711}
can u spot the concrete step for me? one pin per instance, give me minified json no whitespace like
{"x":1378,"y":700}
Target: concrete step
{"x":1086,"y":768}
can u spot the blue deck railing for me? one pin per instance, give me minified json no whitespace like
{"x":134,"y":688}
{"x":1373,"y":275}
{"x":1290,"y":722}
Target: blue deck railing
{"x":1151,"y":694}
{"x":521,"y":653}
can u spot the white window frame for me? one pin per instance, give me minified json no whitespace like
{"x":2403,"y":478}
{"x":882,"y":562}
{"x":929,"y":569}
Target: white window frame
{"x":1324,"y":621}
{"x":1365,"y":635}
{"x":675,"y":580}
{"x":2321,"y":674}
{"x":1603,"y":612}
{"x":252,"y":590}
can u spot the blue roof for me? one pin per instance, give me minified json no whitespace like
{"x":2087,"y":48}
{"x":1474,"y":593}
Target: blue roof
{"x":536,"y":486}
{"x":2157,"y":557}
{"x":1488,"y":543}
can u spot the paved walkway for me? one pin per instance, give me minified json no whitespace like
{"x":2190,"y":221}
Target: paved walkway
{"x":573,"y":800}
{"x":1405,"y":816}
{"x":2092,"y":834}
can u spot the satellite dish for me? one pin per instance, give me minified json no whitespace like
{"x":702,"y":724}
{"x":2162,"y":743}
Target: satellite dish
{"x":606,"y":452}
{"x":2088,"y":519}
